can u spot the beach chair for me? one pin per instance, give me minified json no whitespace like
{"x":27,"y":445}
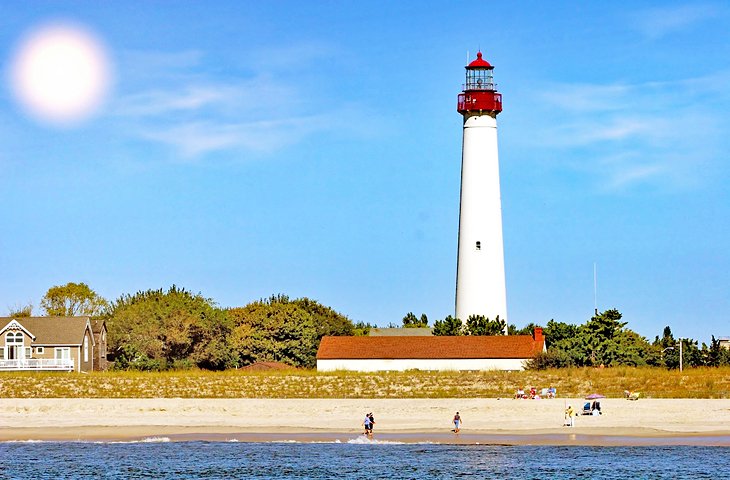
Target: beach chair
{"x":634,"y":396}
{"x":587,"y":409}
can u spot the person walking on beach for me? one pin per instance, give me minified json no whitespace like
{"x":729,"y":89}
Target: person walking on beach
{"x":367,"y":425}
{"x":457,"y":422}
{"x":569,"y":413}
{"x":372,"y":422}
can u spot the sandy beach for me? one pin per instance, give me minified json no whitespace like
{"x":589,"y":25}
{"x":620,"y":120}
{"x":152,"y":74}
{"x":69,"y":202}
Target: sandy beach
{"x":503,"y":421}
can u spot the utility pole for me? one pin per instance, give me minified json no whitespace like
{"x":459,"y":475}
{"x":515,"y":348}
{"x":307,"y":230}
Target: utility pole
{"x":680,"y":354}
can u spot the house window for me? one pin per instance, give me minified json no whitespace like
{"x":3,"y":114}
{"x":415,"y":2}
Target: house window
{"x":14,"y":338}
{"x":2,"y":353}
{"x":86,"y":348}
{"x":40,"y":350}
{"x":63,"y":353}
{"x":28,"y":352}
{"x":14,"y":345}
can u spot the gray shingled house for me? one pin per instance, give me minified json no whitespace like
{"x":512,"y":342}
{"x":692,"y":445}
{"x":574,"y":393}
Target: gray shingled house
{"x":52,"y":343}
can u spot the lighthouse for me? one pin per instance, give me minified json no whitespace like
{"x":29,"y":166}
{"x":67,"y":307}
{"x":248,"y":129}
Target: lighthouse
{"x":480,"y":284}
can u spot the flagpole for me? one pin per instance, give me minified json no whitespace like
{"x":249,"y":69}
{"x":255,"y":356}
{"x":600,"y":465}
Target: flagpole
{"x":595,"y":289}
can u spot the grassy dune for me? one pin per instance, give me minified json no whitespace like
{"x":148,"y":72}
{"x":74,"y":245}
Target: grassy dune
{"x":651,"y":382}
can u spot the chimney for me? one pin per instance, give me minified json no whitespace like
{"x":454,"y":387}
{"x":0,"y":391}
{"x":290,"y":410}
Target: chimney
{"x":537,"y":334}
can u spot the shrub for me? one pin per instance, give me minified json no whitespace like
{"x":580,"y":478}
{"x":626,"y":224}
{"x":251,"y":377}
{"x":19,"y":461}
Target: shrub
{"x":549,"y":359}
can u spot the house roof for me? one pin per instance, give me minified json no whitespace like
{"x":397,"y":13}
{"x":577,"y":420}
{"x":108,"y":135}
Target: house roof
{"x":52,"y":330}
{"x":436,"y":347}
{"x":400,"y":332}
{"x":98,"y":325}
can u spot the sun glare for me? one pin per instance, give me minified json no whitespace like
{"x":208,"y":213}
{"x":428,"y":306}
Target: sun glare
{"x":60,"y":74}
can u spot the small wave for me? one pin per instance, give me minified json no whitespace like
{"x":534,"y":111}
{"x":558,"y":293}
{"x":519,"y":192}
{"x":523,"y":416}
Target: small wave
{"x":155,"y":440}
{"x":144,"y":440}
{"x":363,"y":440}
{"x":24,"y":441}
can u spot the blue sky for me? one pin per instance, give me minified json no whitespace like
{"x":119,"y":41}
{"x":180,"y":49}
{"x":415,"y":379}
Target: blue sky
{"x":314,"y":148}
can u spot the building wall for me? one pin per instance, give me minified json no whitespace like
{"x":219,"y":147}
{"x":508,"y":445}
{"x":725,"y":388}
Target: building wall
{"x":375,"y":365}
{"x":100,"y":362}
{"x":86,"y":363}
{"x":26,"y":343}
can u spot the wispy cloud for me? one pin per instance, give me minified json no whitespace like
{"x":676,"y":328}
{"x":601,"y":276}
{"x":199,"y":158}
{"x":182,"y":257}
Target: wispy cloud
{"x":197,"y":139}
{"x":155,"y":102}
{"x":661,"y":133}
{"x":187,"y":107}
{"x":585,"y":97}
{"x":658,"y":22}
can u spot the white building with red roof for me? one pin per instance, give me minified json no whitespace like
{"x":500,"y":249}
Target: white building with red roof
{"x":392,"y":353}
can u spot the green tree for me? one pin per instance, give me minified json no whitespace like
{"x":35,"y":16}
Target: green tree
{"x":157,"y":330}
{"x":724,"y":357}
{"x":411,"y":321}
{"x":559,"y":334}
{"x":481,"y":325}
{"x":72,"y":299}
{"x":327,"y":320}
{"x":362,"y":329}
{"x":274,"y":331}
{"x":713,"y":355}
{"x":668,"y":348}
{"x":449,"y":326}
{"x":603,"y":340}
{"x":528,"y":329}
{"x":549,"y":359}
{"x":19,"y":311}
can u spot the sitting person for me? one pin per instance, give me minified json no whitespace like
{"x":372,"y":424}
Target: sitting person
{"x":533,"y":392}
{"x":596,"y":407}
{"x":551,"y":392}
{"x":520,"y":393}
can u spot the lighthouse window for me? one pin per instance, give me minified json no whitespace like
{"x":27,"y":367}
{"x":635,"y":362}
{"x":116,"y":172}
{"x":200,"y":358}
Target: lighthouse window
{"x":479,"y":245}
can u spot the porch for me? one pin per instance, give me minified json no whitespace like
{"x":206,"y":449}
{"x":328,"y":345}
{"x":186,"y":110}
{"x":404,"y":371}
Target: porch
{"x":62,"y":364}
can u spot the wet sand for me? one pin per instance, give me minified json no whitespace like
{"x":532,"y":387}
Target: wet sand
{"x":486,"y":421}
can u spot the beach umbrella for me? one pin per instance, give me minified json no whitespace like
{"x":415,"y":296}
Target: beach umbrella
{"x":594,"y":396}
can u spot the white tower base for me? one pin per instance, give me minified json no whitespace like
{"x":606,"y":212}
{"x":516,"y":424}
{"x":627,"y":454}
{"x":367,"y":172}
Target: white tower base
{"x":480,"y":281}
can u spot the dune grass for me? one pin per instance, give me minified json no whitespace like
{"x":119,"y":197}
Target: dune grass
{"x":572,"y":382}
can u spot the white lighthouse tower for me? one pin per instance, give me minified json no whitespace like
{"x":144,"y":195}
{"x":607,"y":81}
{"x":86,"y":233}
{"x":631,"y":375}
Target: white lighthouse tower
{"x":480,"y":284}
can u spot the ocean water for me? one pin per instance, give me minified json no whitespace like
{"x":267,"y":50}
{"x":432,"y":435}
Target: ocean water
{"x":160,"y":459}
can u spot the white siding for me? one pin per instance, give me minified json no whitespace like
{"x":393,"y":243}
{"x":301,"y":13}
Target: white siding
{"x":375,"y":365}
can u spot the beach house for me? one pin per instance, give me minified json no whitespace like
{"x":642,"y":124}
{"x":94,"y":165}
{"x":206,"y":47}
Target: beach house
{"x":383,"y":353}
{"x":52,"y":343}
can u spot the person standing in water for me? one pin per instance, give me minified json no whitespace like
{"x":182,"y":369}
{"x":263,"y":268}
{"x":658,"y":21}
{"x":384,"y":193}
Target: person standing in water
{"x":367,"y":425}
{"x":457,"y":422}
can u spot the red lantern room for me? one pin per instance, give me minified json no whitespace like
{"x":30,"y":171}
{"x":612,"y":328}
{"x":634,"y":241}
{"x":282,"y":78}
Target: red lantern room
{"x":480,"y":93}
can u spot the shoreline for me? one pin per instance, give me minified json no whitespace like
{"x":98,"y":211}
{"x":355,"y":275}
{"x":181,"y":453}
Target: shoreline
{"x":162,"y":434}
{"x":486,"y":421}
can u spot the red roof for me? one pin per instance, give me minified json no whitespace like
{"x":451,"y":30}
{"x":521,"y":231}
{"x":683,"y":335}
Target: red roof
{"x":503,"y":346}
{"x":479,"y":62}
